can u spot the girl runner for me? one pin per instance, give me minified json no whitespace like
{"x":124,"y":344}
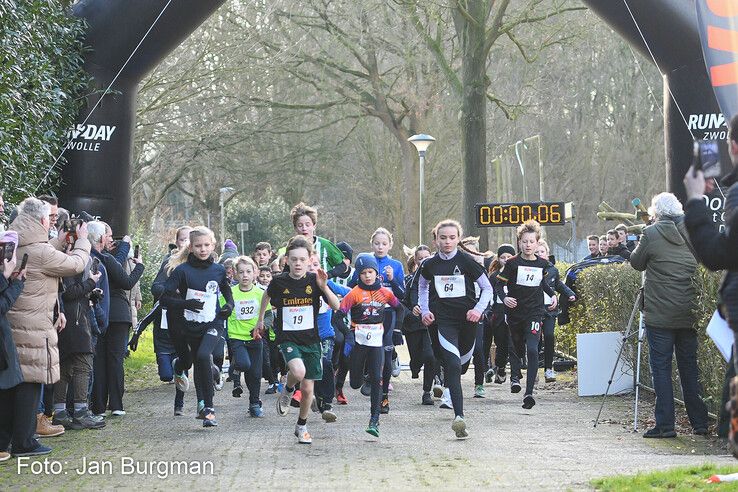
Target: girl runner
{"x":496,"y":320}
{"x":446,"y":297}
{"x":549,"y":318}
{"x":296,"y":296}
{"x":194,"y":286}
{"x":525,"y":277}
{"x":366,"y":303}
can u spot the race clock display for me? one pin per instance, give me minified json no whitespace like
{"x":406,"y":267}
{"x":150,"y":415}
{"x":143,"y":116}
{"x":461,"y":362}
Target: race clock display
{"x":514,"y":214}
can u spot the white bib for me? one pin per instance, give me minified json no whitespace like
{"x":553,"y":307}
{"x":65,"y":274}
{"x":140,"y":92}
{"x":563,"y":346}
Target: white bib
{"x":246,"y":309}
{"x":323,"y":306}
{"x":207,"y":314}
{"x":297,"y":318}
{"x":450,"y":286}
{"x":369,"y":335}
{"x":529,"y":276}
{"x":164,"y":325}
{"x":547,"y":300}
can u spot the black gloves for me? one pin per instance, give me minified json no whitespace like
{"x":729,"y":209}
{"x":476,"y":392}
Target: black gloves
{"x":133,"y":344}
{"x":194,"y":305}
{"x":225,"y":311}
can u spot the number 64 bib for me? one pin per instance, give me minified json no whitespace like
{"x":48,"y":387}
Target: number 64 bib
{"x":297,"y":318}
{"x":448,"y":286}
{"x":369,"y":335}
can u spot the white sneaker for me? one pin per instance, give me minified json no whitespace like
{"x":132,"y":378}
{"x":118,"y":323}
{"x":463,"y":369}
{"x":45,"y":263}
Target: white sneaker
{"x":118,"y":413}
{"x":181,"y":381}
{"x":459,"y":427}
{"x":550,"y":375}
{"x":219,"y":383}
{"x":302,"y":434}
{"x":446,"y":399}
{"x":437,"y":389}
{"x":396,"y":367}
{"x":283,"y":402}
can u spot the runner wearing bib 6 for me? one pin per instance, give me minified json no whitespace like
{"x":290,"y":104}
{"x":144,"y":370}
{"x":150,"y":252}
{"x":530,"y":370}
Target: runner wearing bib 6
{"x":447,"y":297}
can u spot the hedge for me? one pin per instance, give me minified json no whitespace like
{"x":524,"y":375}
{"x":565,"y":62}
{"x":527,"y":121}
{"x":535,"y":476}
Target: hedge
{"x":41,"y":81}
{"x":606,"y":295}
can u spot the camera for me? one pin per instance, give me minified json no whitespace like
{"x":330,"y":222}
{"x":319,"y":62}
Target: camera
{"x":707,"y":158}
{"x":7,"y":249}
{"x":70,"y":225}
{"x":96,"y":295}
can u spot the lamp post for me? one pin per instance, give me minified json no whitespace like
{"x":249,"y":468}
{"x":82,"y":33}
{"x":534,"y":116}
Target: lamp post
{"x":223,"y":191}
{"x":421,"y":142}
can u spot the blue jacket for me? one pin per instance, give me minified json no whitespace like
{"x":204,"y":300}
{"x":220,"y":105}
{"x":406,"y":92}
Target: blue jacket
{"x":102,"y":284}
{"x":398,"y":281}
{"x":325,"y":327}
{"x":10,"y":371}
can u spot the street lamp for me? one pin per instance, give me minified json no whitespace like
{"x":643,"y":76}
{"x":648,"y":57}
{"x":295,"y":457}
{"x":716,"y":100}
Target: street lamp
{"x":223,"y":191}
{"x":421,"y":142}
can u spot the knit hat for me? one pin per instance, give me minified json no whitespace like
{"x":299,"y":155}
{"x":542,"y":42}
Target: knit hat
{"x":229,"y":244}
{"x":346,"y":249}
{"x":506,"y":248}
{"x":364,"y":261}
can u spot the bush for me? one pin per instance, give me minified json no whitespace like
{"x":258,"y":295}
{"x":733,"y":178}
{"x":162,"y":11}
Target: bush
{"x":42,"y":79}
{"x":606,"y":296}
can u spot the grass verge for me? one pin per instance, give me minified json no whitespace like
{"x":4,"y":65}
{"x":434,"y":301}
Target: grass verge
{"x":675,"y":479}
{"x":140,"y":366}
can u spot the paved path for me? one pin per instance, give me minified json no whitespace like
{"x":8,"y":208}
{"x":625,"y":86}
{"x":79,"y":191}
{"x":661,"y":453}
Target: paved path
{"x":551,"y":447}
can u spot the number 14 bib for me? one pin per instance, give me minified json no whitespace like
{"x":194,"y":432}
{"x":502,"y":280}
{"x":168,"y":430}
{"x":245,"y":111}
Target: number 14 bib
{"x":448,"y":286}
{"x":529,"y":276}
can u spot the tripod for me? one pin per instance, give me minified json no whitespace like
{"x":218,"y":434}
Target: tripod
{"x":629,"y":332}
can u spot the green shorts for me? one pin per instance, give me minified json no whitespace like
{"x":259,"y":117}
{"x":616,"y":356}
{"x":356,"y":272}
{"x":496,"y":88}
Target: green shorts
{"x":311,"y":356}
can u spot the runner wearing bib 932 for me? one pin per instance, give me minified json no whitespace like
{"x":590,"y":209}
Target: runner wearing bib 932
{"x":296,"y":297}
{"x":366,"y":304}
{"x":525,"y":276}
{"x":447,"y":297}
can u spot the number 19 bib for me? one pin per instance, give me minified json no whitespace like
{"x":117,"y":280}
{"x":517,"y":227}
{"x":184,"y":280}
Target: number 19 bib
{"x":297,"y":318}
{"x":448,"y":286}
{"x":529,"y":276}
{"x":369,"y":335}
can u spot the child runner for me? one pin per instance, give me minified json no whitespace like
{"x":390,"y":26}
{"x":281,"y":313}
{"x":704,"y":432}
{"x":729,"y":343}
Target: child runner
{"x":496,"y":319}
{"x":392,"y":276}
{"x":366,"y":303}
{"x":305,"y":220}
{"x":273,"y":362}
{"x":194,"y":286}
{"x":262,"y":254}
{"x":549,"y":318}
{"x":296,"y":297}
{"x":525,"y":277}
{"x":246,"y":346}
{"x":416,"y":333}
{"x":447,"y":297}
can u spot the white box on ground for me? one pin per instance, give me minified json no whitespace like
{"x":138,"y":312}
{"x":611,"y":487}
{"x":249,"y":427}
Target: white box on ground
{"x":596,"y":356}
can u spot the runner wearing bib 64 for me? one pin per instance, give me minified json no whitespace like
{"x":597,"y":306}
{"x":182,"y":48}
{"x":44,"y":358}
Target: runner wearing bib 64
{"x":296,"y":297}
{"x":366,"y":304}
{"x":525,"y":276}
{"x":447,"y":297}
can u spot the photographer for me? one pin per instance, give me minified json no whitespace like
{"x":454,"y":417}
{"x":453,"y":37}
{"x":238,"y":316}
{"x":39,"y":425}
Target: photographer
{"x":669,"y":302}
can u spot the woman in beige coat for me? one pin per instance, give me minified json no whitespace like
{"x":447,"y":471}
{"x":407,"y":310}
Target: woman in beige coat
{"x":33,"y":318}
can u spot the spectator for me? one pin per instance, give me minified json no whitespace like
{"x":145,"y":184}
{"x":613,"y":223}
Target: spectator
{"x":134,"y":295}
{"x":230,"y":250}
{"x":108,"y":384}
{"x":31,"y":317}
{"x":669,"y":301}
{"x":614,"y":246}
{"x":603,"y":245}
{"x":593,"y":244}
{"x":53,"y":213}
{"x":10,"y":371}
{"x":717,"y":250}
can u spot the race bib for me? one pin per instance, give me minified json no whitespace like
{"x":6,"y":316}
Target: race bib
{"x":210,"y":301}
{"x":450,"y":286}
{"x":529,"y":276}
{"x":297,"y":318}
{"x":323,"y":306}
{"x":547,"y":299}
{"x":369,"y":335}
{"x":164,"y":325}
{"x":246,"y":309}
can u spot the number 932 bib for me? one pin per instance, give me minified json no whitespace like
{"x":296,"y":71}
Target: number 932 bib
{"x":246,"y":309}
{"x":449,"y":286}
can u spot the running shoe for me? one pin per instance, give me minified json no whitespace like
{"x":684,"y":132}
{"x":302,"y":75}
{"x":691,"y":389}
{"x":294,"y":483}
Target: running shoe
{"x":329,"y":416}
{"x":437,"y":388}
{"x":118,"y":413}
{"x":396,"y":367}
{"x":515,"y":386}
{"x":659,"y":433}
{"x":218,"y":382}
{"x":550,"y":375}
{"x":489,"y":375}
{"x":479,"y":391}
{"x":446,"y":399}
{"x":500,"y":376}
{"x":83,"y":419}
{"x":384,"y":406}
{"x":459,"y":427}
{"x":341,"y":398}
{"x":178,"y":411}
{"x":283,"y":402}
{"x":390,"y":388}
{"x":237,"y":391}
{"x":200,"y":410}
{"x":295,"y":401}
{"x":255,"y":410}
{"x":366,"y":388}
{"x":529,"y":402}
{"x":427,"y":398}
{"x":373,"y":428}
{"x":209,"y":420}
{"x":302,"y":434}
{"x":271,"y":389}
{"x":181,"y":381}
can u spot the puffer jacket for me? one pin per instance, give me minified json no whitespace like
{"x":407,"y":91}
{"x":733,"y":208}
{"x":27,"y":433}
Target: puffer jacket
{"x":31,"y":317}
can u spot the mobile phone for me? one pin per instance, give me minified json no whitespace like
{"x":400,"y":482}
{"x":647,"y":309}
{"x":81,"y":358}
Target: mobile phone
{"x":95,"y":268}
{"x":23,"y":262}
{"x":707,"y":158}
{"x":632,"y":237}
{"x":8,"y":249}
{"x":135,"y":251}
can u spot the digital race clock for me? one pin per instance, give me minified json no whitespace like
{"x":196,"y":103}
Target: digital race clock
{"x":513,"y":214}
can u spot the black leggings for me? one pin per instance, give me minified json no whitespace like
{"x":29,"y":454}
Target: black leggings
{"x":421,"y":356}
{"x":457,"y":339}
{"x":344,"y":362}
{"x":389,"y":348}
{"x":501,"y":335}
{"x":549,"y":341}
{"x":480,"y":358}
{"x":371,"y":360}
{"x":201,"y":353}
{"x":525,"y":335}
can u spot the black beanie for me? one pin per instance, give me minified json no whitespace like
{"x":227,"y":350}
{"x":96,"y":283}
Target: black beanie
{"x":506,"y":248}
{"x":346,"y":249}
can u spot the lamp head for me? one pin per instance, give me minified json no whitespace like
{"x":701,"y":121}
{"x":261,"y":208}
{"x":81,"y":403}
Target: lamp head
{"x":421,"y":142}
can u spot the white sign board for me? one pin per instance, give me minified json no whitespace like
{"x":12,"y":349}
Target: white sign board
{"x":596,"y":356}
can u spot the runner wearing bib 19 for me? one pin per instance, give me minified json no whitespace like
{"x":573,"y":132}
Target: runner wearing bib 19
{"x":366,"y":303}
{"x":296,"y":297}
{"x":525,"y":277}
{"x":447,"y":297}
